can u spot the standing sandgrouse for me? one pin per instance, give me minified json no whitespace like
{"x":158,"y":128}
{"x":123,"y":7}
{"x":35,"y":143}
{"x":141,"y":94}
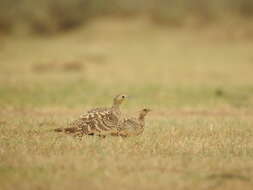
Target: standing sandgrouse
{"x":132,"y":126}
{"x":97,"y":121}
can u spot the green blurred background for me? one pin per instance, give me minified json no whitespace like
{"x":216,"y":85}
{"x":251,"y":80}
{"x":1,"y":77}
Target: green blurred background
{"x":182,"y":53}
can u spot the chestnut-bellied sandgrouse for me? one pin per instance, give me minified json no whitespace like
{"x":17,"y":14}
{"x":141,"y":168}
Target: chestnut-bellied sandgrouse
{"x":132,"y":126}
{"x":97,"y":121}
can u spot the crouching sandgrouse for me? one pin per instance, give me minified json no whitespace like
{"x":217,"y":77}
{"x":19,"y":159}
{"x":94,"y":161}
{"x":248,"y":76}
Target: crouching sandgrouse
{"x":132,"y":126}
{"x":98,"y":121}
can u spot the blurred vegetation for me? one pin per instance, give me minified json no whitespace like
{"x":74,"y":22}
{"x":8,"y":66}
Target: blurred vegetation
{"x":51,"y":16}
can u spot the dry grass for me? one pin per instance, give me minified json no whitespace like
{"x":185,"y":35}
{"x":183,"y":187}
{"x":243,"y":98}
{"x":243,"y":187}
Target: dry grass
{"x":198,"y":83}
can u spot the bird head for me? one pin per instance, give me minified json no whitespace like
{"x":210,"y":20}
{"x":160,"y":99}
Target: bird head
{"x":144,"y":112}
{"x":119,"y":99}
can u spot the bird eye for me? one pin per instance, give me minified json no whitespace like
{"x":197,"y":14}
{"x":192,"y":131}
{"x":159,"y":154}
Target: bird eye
{"x":123,"y":96}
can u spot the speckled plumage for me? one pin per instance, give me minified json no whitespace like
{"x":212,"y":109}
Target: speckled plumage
{"x":97,"y":121}
{"x":132,"y":126}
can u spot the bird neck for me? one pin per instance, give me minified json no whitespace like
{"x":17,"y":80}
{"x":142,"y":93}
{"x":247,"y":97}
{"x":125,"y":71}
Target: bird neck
{"x":116,"y":107}
{"x":142,"y":122}
{"x":141,"y":118}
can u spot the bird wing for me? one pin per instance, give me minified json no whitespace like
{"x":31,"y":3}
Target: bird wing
{"x":97,"y":121}
{"x":129,"y":123}
{"x":129,"y":127}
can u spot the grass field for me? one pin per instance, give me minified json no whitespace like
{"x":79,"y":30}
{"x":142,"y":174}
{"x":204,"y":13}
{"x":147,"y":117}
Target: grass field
{"x":199,"y":84}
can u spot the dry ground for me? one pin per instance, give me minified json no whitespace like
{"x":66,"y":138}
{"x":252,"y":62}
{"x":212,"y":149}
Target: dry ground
{"x":198,"y":82}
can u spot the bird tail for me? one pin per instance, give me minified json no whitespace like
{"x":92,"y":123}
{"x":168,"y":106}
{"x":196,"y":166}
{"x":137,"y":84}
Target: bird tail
{"x":66,"y":130}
